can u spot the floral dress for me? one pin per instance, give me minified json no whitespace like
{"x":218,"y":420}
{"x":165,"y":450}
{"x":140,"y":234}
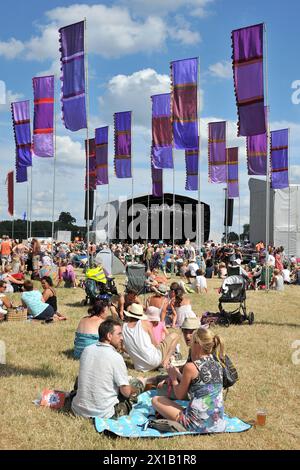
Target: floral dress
{"x":205,"y":411}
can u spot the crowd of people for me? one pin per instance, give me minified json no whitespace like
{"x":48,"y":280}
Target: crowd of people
{"x":143,"y":329}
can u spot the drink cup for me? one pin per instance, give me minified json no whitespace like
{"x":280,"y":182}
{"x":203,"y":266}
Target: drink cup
{"x":261,"y":416}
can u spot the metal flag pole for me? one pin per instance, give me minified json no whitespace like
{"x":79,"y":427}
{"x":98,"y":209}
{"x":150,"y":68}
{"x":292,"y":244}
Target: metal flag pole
{"x":108,"y":213}
{"x":289,"y":209}
{"x":27,"y":211}
{"x":174,"y":211}
{"x":54,"y":176}
{"x":226,"y":200}
{"x":268,"y":163}
{"x":163,"y":208}
{"x":132,"y":183}
{"x":148,"y":214}
{"x":239,"y":203}
{"x":31,"y":184}
{"x":87,"y":104}
{"x":199,"y":224}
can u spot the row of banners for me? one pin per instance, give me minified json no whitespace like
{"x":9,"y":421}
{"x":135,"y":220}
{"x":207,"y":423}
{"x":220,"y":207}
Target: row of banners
{"x":174,"y":120}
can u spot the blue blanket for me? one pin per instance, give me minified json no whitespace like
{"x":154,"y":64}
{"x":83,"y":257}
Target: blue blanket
{"x":134,"y":424}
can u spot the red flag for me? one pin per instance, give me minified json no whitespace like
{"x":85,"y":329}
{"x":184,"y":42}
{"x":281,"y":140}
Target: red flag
{"x":10,"y":192}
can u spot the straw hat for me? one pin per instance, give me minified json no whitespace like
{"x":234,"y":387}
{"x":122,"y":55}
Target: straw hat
{"x":136,"y":311}
{"x":153,"y":313}
{"x":190,"y":324}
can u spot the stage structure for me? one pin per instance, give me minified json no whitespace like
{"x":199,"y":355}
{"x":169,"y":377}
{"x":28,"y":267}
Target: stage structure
{"x":152,"y":219}
{"x":284,"y":219}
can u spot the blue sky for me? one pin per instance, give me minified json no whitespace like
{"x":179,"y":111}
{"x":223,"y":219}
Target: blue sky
{"x":131,"y":43}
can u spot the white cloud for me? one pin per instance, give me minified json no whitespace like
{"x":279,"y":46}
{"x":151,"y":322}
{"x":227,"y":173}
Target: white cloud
{"x":164,"y":7}
{"x":11,"y":49}
{"x":221,"y":69}
{"x":11,"y":97}
{"x":132,"y":92}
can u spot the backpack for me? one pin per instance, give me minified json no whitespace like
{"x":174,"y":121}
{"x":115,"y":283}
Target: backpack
{"x":230,"y":374}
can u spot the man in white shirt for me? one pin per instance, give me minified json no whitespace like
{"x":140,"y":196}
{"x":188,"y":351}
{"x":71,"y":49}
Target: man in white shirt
{"x":103,"y":384}
{"x":191,"y":271}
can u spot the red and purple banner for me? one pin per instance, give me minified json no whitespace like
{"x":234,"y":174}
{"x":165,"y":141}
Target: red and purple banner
{"x":191,"y":165}
{"x":122,"y":128}
{"x":184,"y":103}
{"x":101,"y":140}
{"x":247,"y":56}
{"x":90,"y":151}
{"x":157,"y":181}
{"x":10,"y":192}
{"x":233,"y":172}
{"x":280,"y":159}
{"x":162,"y":151}
{"x":22,"y":132}
{"x":73,"y":76}
{"x":43,"y":121}
{"x":217,"y":152}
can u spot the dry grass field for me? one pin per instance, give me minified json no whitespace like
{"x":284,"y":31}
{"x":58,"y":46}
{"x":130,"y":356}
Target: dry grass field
{"x":40,"y":356}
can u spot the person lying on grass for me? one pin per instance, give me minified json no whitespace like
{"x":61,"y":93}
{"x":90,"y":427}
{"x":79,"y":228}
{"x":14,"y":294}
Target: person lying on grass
{"x":104,"y":389}
{"x":202,"y":379}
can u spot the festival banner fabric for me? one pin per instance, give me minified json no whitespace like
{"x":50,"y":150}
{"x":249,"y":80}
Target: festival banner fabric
{"x":101,"y":141}
{"x":247,"y":56}
{"x":21,"y":174}
{"x":73,"y":76}
{"x":279,"y":159}
{"x":91,"y":155}
{"x":217,"y":152}
{"x":10,"y":192}
{"x":257,"y":150}
{"x":233,"y":172}
{"x":157,"y":181}
{"x":122,"y":128}
{"x":162,"y":152}
{"x":21,"y":125}
{"x":191,"y":165}
{"x":43,"y":121}
{"x":184,"y":103}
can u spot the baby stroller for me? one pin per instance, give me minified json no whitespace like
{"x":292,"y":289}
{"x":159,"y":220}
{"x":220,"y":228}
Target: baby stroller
{"x":136,"y":278}
{"x":98,"y":285}
{"x":233,"y":291}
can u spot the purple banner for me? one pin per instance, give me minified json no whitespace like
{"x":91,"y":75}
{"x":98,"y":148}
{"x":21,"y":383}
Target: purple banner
{"x":184,"y":80}
{"x":157,"y":181}
{"x":257,"y":150}
{"x":73,"y":76}
{"x":280,"y":159}
{"x":247,"y":56}
{"x":101,"y":140}
{"x":91,"y":155}
{"x":233,"y":172}
{"x":43,"y":121}
{"x":21,"y":174}
{"x":191,"y":165}
{"x":162,"y":152}
{"x":122,"y":161}
{"x":217,"y":152}
{"x":21,"y":124}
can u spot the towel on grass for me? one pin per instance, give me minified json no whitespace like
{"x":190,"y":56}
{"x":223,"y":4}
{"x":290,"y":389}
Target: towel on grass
{"x":133,"y":425}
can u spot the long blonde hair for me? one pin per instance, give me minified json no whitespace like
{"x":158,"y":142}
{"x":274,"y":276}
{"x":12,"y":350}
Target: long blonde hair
{"x":209,"y":342}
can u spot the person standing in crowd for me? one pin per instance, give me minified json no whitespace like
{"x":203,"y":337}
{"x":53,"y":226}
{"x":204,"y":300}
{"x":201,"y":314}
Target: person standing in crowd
{"x":5,"y":250}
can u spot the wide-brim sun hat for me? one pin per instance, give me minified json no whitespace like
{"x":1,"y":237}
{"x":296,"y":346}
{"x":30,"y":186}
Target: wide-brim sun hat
{"x":153,"y":313}
{"x":136,"y":311}
{"x":191,"y":323}
{"x":162,"y":289}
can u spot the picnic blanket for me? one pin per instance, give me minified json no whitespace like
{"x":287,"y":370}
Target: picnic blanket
{"x":134,"y":424}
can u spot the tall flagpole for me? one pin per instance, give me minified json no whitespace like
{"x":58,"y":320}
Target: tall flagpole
{"x":87,"y":139}
{"x":148,"y":213}
{"x":54,"y":174}
{"x":226,"y":200}
{"x":289,"y":209}
{"x":174,"y":211}
{"x":163,"y":208}
{"x":268,"y":163}
{"x":27,"y":212}
{"x":31,"y":184}
{"x":108,"y":213}
{"x":132,"y":182}
{"x":239,"y":203}
{"x":199,"y":224}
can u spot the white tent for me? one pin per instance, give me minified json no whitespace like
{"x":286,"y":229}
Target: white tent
{"x":111,"y":264}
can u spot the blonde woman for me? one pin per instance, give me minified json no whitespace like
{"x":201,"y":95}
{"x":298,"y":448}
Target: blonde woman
{"x":202,"y":379}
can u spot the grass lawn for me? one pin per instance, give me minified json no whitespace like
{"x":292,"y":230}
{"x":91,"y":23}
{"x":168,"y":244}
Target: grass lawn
{"x":40,"y":356}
